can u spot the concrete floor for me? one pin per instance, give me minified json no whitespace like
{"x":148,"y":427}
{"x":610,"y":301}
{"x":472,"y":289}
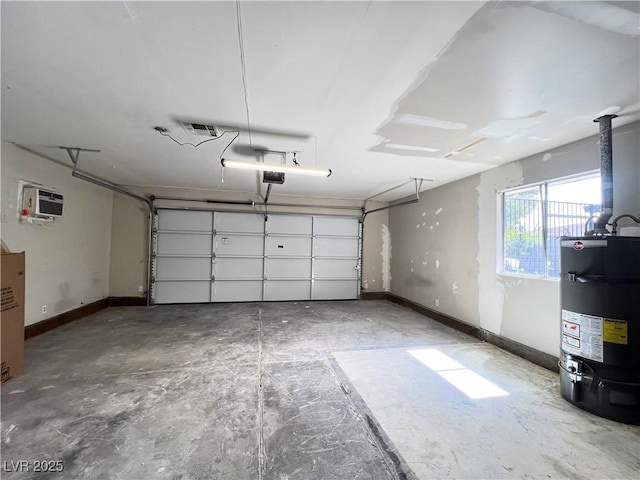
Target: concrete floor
{"x":326,"y":390}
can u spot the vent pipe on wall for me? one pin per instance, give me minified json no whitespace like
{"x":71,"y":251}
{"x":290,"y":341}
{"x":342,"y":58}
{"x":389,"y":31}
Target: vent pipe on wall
{"x":606,"y":174}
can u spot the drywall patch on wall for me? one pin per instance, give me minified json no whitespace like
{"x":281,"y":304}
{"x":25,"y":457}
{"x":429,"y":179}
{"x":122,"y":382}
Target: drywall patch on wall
{"x":386,"y":258}
{"x":438,"y":264}
{"x":490,"y":289}
{"x":524,"y":310}
{"x":527,"y":309}
{"x":536,"y":327}
{"x":372,"y":267}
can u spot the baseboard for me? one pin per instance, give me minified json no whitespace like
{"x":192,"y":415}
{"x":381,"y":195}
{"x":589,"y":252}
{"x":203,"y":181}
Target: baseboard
{"x":64,"y":318}
{"x":438,"y":316}
{"x":81,"y":312}
{"x":543,"y":359}
{"x":127,"y":301}
{"x":374,"y":295}
{"x":535,"y":356}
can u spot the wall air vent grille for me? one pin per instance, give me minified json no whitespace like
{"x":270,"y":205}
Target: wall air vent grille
{"x":201,"y":129}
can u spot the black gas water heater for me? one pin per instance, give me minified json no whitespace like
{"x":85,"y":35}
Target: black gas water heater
{"x":600,"y":309}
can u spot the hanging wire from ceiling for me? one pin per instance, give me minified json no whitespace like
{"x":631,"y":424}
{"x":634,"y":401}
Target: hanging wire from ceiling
{"x":243,"y":67}
{"x":164,"y":132}
{"x":237,"y":132}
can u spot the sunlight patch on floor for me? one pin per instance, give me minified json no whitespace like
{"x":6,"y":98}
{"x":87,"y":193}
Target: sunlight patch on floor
{"x":472,"y":384}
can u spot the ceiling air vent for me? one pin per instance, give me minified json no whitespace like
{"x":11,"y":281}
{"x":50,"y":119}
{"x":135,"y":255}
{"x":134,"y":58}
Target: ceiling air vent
{"x":201,"y":129}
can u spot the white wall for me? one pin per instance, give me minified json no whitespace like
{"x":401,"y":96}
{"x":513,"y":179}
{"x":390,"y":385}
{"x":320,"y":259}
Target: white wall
{"x":67,"y":261}
{"x":130,"y":232}
{"x":456,"y":262}
{"x":129,"y":247}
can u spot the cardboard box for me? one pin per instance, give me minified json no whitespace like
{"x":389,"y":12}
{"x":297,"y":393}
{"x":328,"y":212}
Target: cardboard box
{"x":12,"y":315}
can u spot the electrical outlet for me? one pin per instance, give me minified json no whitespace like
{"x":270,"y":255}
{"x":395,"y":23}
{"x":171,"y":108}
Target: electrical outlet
{"x":140,"y":289}
{"x":437,"y":302}
{"x":44,"y":309}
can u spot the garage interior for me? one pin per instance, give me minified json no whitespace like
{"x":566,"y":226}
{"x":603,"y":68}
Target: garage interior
{"x":306,"y":240}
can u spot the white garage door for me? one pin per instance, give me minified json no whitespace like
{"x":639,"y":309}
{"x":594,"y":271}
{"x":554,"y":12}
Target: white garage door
{"x":232,"y":257}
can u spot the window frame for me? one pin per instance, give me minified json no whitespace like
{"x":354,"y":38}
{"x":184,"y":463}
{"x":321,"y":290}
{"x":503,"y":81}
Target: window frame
{"x":544,"y":199}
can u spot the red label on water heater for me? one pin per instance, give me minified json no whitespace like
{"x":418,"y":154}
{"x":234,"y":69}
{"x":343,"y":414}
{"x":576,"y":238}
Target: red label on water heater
{"x":578,"y":245}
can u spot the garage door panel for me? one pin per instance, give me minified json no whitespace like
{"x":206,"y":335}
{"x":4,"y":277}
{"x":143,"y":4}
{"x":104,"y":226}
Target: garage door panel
{"x":330,"y":268}
{"x":238,"y":268}
{"x":237,"y":291}
{"x":183,"y":292}
{"x":189,"y":220}
{"x":335,"y":289}
{"x":184,"y":244}
{"x":289,"y":224}
{"x":179,"y":267}
{"x":239,"y":222}
{"x":336,"y":226}
{"x":282,"y":290}
{"x":335,"y":247}
{"x":288,"y":268}
{"x":240,"y":245}
{"x":288,"y":246}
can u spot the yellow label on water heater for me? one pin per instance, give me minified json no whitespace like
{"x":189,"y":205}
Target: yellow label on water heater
{"x":615,"y":331}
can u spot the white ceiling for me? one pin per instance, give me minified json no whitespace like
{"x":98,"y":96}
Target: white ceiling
{"x":343,"y":83}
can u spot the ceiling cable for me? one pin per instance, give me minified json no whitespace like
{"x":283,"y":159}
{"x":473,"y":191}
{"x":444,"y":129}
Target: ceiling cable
{"x":237,"y":132}
{"x":243,"y":67}
{"x":164,"y":132}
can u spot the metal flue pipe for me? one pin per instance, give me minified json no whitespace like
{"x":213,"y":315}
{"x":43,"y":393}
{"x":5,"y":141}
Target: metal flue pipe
{"x":606,"y":174}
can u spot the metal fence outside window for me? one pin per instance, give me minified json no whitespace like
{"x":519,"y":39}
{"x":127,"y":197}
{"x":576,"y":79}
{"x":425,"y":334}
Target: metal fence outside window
{"x":531,"y":231}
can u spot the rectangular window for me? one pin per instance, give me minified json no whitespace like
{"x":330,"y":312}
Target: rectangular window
{"x":536,"y":216}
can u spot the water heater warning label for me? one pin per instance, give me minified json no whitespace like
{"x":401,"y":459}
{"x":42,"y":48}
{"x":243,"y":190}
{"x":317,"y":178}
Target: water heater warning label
{"x":616,"y":331}
{"x":582,"y":335}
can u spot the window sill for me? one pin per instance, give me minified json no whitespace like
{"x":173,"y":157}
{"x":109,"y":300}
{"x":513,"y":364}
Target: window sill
{"x":523,"y":276}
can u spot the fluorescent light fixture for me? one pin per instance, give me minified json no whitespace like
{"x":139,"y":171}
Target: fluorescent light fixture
{"x":398,"y":146}
{"x":269,"y":167}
